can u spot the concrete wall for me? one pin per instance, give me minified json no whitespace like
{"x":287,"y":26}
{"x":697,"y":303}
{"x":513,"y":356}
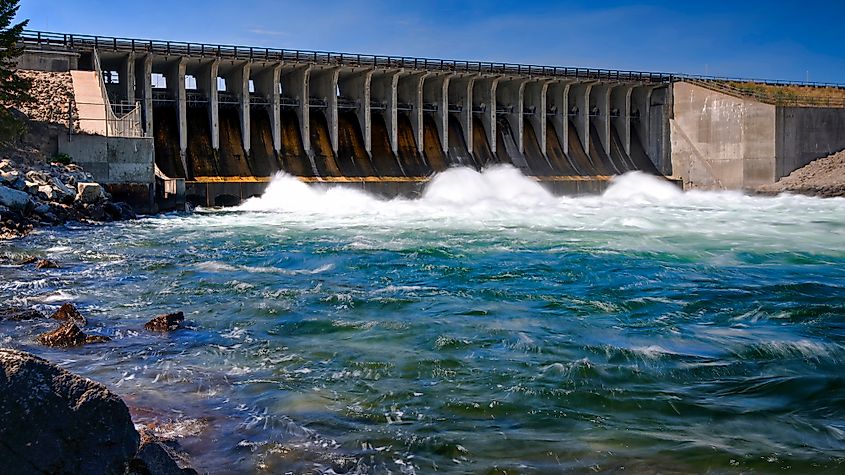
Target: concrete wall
{"x":112,"y":160}
{"x":49,"y":61}
{"x":805,"y":134}
{"x":720,"y":141}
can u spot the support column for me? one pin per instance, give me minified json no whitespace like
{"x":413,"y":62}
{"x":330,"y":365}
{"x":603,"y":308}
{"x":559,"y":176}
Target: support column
{"x":510,"y":94}
{"x":267,"y":85}
{"x":641,"y":103}
{"x":207,"y":84}
{"x":127,"y":78}
{"x":600,"y":97}
{"x":535,"y":99}
{"x":410,"y":91}
{"x":176,"y":88}
{"x":240,"y":87}
{"x":144,"y":77}
{"x":356,"y":86}
{"x":484,"y":99}
{"x":557,"y":99}
{"x":436,"y":91}
{"x":620,"y":101}
{"x":385,"y":89}
{"x":323,"y":86}
{"x":460,"y":94}
{"x":295,"y":85}
{"x":579,"y":97}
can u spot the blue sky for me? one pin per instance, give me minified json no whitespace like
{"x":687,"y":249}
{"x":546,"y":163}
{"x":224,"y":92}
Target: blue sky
{"x":755,"y":39}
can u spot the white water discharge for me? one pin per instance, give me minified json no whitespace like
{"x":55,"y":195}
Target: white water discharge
{"x":637,"y":212}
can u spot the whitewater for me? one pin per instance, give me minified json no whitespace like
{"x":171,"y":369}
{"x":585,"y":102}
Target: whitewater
{"x":486,"y":326}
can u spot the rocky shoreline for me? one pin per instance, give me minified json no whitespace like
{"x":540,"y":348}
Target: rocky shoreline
{"x":58,"y":422}
{"x":824,"y":178}
{"x":50,"y":194}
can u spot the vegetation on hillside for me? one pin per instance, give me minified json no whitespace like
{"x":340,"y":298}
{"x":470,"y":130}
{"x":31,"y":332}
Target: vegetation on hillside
{"x":791,"y":95}
{"x":14,"y":90}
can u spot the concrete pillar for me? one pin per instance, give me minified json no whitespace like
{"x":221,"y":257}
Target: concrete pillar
{"x":295,"y":84}
{"x":641,"y":103}
{"x":127,"y":78}
{"x":176,"y":88}
{"x":510,"y":94}
{"x":557,"y":98}
{"x":460,"y":96}
{"x":620,"y":101}
{"x":238,"y":84}
{"x":355,"y":85}
{"x":410,"y":91}
{"x":535,"y":99}
{"x":267,"y":85}
{"x":661,"y":111}
{"x":322,"y":84}
{"x":384,"y":88}
{"x":579,"y":97}
{"x":144,"y":77}
{"x":436,"y":91}
{"x":484,"y":99}
{"x":207,"y":85}
{"x":600,"y":98}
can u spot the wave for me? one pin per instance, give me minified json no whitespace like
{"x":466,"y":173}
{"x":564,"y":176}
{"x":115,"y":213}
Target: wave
{"x":501,"y":199}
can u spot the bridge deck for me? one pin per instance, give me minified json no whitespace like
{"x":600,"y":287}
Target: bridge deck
{"x":45,"y":39}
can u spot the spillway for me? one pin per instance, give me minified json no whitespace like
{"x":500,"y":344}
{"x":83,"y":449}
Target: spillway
{"x":382,"y":127}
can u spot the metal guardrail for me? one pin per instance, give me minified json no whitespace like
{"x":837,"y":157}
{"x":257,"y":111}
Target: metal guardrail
{"x":244,"y":53}
{"x":171,"y":48}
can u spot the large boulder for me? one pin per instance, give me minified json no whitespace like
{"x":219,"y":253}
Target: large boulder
{"x":64,"y":192}
{"x":13,"y":199}
{"x":57,"y":422}
{"x":89,"y":193}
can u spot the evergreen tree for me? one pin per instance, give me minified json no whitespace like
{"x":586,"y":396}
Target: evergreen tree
{"x":14,"y":89}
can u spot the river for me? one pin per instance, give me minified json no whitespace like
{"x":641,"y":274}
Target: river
{"x":486,"y":327}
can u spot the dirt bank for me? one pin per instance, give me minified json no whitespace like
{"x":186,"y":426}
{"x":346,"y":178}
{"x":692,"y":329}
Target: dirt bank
{"x":824,"y":177}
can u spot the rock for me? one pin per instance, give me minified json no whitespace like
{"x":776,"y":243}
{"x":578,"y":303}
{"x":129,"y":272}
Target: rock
{"x":156,"y":457}
{"x":31,"y":187}
{"x":42,"y":209}
{"x":89,"y":193}
{"x":46,"y":264}
{"x":18,"y":314}
{"x":27,"y":260}
{"x":91,"y":339}
{"x":120,"y":211}
{"x":64,"y":192}
{"x":13,"y":199}
{"x":37,"y":177}
{"x":46,"y":192}
{"x":57,"y":422}
{"x":12,"y":179}
{"x":166,"y":323}
{"x":66,"y":336}
{"x":69,"y":313}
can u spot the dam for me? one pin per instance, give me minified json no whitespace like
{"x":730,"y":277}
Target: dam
{"x":220,"y":121}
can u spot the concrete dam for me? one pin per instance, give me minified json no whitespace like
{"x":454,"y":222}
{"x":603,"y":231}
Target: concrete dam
{"x":221,"y":120}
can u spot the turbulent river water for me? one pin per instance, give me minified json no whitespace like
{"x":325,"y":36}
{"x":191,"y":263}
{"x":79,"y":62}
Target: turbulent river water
{"x":487,"y":327}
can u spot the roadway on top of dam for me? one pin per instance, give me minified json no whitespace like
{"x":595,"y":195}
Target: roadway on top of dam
{"x":249,"y":53}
